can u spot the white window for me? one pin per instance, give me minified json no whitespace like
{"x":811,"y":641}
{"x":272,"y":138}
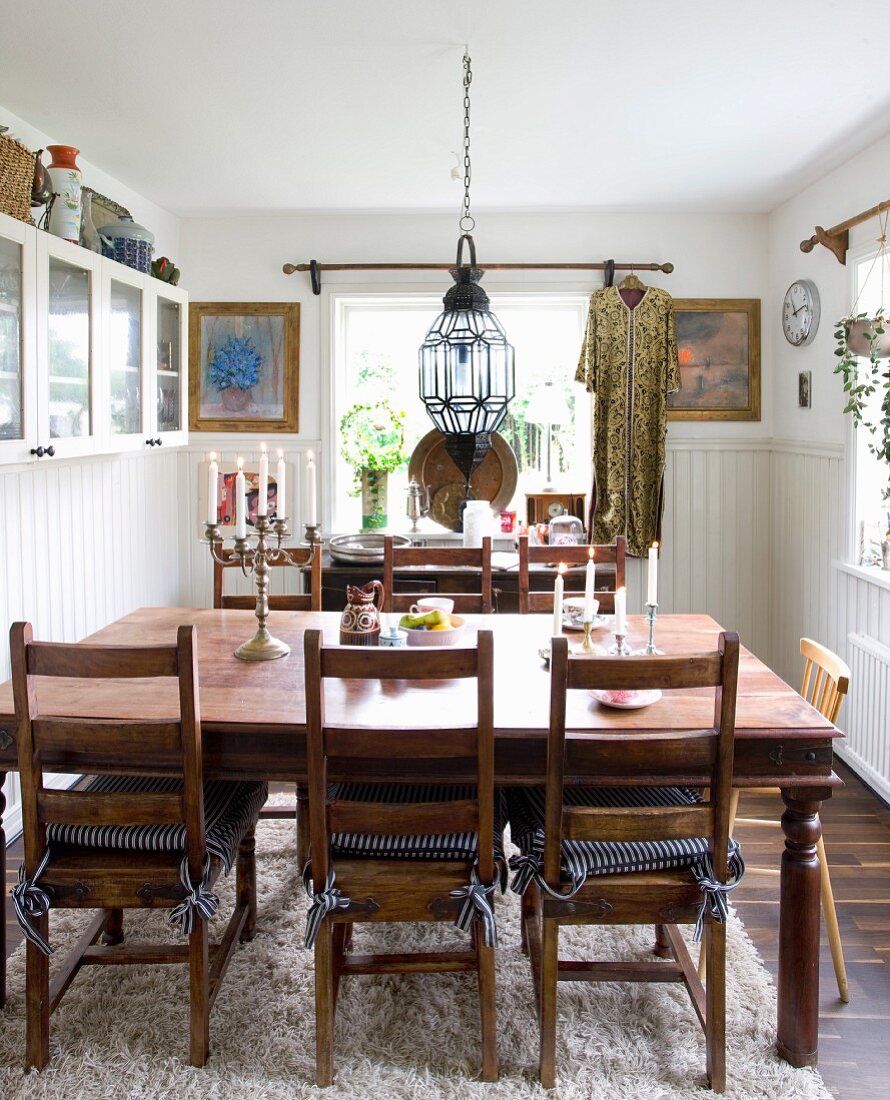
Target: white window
{"x":872,"y":477}
{"x":374,"y":355}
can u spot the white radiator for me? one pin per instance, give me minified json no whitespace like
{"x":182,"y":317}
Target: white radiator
{"x":867,"y":717}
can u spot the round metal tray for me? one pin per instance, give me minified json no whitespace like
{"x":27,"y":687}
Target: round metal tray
{"x":365,"y":548}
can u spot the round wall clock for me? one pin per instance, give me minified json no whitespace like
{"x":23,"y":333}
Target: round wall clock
{"x":800,"y":312}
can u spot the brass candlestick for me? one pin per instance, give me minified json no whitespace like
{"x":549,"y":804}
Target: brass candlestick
{"x":254,"y":560}
{"x":311,"y":534}
{"x":588,"y":648}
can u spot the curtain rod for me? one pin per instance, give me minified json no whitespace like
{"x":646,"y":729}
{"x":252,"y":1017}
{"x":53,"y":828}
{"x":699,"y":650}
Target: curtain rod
{"x":315,"y":268}
{"x":837,"y":239}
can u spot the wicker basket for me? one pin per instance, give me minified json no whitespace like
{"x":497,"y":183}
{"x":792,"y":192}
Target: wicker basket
{"x":16,"y":179}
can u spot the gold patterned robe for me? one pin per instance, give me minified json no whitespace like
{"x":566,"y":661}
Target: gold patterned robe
{"x":629,"y":362}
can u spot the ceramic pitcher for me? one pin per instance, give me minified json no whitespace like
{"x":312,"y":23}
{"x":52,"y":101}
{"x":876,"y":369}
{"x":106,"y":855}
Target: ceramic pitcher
{"x":360,"y":621}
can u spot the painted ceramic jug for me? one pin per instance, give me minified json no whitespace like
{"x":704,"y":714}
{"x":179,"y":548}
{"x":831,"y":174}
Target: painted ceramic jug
{"x":360,"y":621}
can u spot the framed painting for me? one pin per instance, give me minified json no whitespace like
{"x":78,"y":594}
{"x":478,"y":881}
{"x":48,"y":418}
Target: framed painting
{"x":718,"y":344}
{"x":244,"y":366}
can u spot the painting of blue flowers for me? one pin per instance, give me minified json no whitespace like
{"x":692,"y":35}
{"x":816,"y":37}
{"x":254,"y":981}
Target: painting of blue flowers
{"x":244,"y":360}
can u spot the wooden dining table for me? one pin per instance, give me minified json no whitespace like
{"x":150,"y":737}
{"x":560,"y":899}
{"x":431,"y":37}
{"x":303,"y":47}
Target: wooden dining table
{"x":253,"y":724}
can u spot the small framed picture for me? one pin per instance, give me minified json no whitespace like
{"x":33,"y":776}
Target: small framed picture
{"x":804,"y":395}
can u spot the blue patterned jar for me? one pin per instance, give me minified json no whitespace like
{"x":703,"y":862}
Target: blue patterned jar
{"x":128,"y":243}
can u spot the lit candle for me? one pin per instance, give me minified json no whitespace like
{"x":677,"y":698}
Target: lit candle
{"x":262,"y":502}
{"x":213,"y":489}
{"x":558,"y":587}
{"x":280,"y":496}
{"x":589,"y":587}
{"x":621,"y":611}
{"x":311,"y":512}
{"x":240,"y":503}
{"x":653,"y":573}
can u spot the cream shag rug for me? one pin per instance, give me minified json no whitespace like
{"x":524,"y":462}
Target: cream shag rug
{"x":122,"y":1032}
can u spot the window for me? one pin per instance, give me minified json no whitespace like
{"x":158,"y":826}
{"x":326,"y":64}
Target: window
{"x":376,"y":340}
{"x":872,"y":483}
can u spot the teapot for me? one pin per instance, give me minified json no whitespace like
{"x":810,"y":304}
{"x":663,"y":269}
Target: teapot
{"x":418,"y":503}
{"x":360,"y":621}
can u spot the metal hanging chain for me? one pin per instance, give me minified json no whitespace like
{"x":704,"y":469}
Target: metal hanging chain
{"x":467,"y":222}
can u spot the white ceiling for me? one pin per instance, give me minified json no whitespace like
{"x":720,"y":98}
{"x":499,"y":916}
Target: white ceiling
{"x":218,"y":106}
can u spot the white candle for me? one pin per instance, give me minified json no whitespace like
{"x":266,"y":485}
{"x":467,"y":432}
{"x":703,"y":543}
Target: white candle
{"x":621,"y":611}
{"x":240,"y":503}
{"x":213,"y":489}
{"x":262,"y":502}
{"x":558,"y":588}
{"x":311,"y":511}
{"x":589,"y":587}
{"x":653,"y":574}
{"x":280,"y":496}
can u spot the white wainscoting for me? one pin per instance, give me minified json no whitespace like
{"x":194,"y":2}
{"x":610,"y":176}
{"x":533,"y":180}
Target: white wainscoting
{"x":83,"y":542}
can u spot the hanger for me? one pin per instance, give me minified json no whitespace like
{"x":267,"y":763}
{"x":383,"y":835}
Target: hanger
{"x":631,"y":281}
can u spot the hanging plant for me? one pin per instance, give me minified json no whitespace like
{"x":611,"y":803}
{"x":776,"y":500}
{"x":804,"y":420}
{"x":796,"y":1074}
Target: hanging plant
{"x":863,"y":351}
{"x":373,"y":439}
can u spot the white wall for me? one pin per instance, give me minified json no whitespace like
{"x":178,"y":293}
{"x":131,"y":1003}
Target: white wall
{"x":811,"y":462}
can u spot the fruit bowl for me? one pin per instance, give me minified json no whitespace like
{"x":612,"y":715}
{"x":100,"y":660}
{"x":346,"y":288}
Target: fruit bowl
{"x":450,"y":636}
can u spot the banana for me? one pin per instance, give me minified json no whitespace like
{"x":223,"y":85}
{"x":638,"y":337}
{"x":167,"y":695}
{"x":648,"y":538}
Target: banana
{"x":429,"y":619}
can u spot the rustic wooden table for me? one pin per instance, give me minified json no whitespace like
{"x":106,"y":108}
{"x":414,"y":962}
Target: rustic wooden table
{"x":253,"y":719}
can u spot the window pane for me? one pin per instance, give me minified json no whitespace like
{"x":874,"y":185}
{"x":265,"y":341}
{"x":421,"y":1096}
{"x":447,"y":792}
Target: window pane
{"x":70,"y":413}
{"x":10,"y":340}
{"x":125,"y":341}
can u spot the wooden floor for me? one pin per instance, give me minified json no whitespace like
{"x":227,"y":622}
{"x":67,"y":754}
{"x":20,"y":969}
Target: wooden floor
{"x":854,"y":1039}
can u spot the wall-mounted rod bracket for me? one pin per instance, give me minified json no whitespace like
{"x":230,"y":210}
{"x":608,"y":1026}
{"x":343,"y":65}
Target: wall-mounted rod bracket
{"x":837,"y":239}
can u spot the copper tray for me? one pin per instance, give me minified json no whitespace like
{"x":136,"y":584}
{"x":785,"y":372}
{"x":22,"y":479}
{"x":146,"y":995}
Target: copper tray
{"x":494,"y":480}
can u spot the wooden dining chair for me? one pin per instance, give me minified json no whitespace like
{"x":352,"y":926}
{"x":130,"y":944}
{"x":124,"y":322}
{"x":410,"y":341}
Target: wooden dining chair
{"x":646,"y":850}
{"x":308,"y":601}
{"x":432,"y":558}
{"x":124,"y":841}
{"x":400,"y":851}
{"x":826,"y":680}
{"x":571,"y":555}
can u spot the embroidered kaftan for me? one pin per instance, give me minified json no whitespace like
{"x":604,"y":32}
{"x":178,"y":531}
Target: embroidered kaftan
{"x":629,"y":362}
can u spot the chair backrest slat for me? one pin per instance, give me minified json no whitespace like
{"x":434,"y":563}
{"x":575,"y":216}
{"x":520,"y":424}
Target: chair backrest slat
{"x":475,"y":744}
{"x":299,"y":556}
{"x":438,"y":557}
{"x":571,"y":555}
{"x":676,"y":758}
{"x":84,"y":743}
{"x":826,"y":678}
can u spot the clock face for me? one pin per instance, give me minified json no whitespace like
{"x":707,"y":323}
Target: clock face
{"x":800,"y":312}
{"x":555,"y":508}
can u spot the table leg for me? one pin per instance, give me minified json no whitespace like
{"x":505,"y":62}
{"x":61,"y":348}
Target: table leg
{"x":798,"y":1010}
{"x":3,"y":883}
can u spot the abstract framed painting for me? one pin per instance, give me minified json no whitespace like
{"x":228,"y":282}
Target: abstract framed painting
{"x":244,"y":366}
{"x":718,"y":345}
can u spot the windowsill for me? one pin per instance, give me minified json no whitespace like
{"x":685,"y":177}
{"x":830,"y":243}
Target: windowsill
{"x":870,"y":573}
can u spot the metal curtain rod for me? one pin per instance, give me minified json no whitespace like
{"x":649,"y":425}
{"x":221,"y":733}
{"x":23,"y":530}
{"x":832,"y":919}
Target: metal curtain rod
{"x":837,"y":239}
{"x":315,"y":268}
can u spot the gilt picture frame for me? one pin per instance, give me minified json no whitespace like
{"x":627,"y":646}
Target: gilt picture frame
{"x":244,"y":366}
{"x":718,"y":345}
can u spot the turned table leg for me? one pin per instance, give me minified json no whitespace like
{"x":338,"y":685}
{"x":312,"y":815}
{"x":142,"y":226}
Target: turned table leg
{"x":798,"y":1009}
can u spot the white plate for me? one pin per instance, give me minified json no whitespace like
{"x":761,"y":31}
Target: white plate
{"x":596,"y":623}
{"x":642,"y":699}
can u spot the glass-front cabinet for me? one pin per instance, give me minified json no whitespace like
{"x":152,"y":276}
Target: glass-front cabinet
{"x":93,"y":355}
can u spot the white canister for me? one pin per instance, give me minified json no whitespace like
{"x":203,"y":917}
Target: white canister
{"x":477,"y":521}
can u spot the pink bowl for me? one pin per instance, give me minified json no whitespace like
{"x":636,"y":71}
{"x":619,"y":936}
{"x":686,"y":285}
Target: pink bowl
{"x":437,"y":637}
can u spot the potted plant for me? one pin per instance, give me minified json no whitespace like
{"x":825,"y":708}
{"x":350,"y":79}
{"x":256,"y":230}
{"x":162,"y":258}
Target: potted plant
{"x":373,"y":445}
{"x":234,"y":369}
{"x":863,"y":350}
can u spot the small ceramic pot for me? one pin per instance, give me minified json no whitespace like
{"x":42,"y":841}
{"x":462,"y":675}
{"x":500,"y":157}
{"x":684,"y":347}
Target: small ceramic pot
{"x":859,"y":339}
{"x":235,"y":400}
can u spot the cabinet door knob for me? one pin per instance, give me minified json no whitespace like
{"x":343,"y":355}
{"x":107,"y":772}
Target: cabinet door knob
{"x":159,"y":442}
{"x":41,"y":451}
{"x":149,"y":442}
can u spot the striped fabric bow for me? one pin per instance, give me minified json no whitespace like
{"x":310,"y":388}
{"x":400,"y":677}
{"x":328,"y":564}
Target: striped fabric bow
{"x":527,"y":866}
{"x":30,"y":902}
{"x":714,"y":900}
{"x":476,"y":903}
{"x":199,"y":902}
{"x":326,"y":901}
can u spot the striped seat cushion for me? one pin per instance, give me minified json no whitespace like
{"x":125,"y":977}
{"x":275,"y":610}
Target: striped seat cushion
{"x":432,"y":846}
{"x":230,"y":810}
{"x":583,"y":858}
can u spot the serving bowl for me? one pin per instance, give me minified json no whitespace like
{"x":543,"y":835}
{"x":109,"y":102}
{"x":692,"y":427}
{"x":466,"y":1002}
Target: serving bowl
{"x":437,"y":637}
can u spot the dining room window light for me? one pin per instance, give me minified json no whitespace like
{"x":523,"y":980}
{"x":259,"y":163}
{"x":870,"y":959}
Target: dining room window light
{"x":374,"y":356}
{"x":872,"y":477}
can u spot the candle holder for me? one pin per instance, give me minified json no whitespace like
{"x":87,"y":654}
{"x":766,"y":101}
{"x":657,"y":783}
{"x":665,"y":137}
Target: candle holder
{"x":588,"y":648}
{"x":254,"y":560}
{"x":311,"y":534}
{"x":651,"y":649}
{"x":620,"y":648}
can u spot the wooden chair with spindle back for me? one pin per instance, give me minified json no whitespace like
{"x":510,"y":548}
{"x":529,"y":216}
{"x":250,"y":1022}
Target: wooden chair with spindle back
{"x":826,"y":680}
{"x":646,"y":849}
{"x":125,"y":841}
{"x":400,"y":851}
{"x":571,"y":555}
{"x":441,"y":557}
{"x":308,"y":601}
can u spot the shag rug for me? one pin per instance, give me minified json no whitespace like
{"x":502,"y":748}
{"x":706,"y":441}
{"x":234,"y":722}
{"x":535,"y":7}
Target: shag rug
{"x":123,"y":1031}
